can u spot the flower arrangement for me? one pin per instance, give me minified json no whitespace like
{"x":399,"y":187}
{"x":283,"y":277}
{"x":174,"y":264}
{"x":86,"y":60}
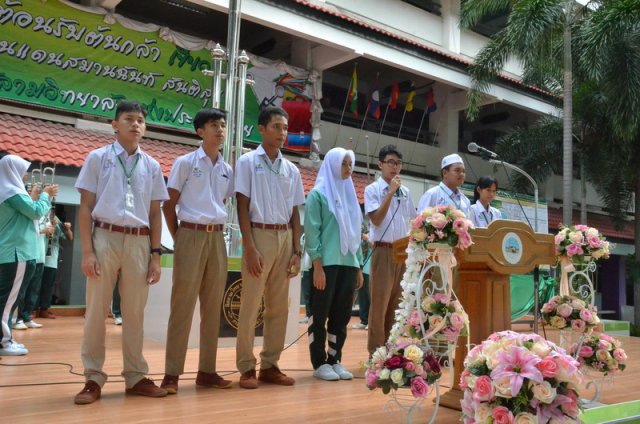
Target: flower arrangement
{"x":519,"y":378}
{"x":600,"y":352}
{"x":569,"y":312}
{"x":405,"y":364}
{"x":579,"y":242}
{"x":441,"y":224}
{"x":441,"y":315}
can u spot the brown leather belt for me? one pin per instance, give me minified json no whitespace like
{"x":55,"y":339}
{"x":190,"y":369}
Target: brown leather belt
{"x":209,"y":228}
{"x":384,"y":244}
{"x":135,"y":231}
{"x":270,"y":226}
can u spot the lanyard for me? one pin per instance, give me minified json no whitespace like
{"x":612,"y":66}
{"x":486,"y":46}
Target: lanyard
{"x":486,"y":219}
{"x":124,"y":168}
{"x":275,"y":171}
{"x":457,"y":204}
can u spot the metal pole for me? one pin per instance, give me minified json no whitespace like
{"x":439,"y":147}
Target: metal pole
{"x":233,"y":40}
{"x":217,"y":55}
{"x":243,"y":63}
{"x":536,"y":273}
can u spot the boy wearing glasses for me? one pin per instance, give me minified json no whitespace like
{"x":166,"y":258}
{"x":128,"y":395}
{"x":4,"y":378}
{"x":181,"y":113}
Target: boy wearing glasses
{"x":389,"y":207}
{"x":448,"y":191}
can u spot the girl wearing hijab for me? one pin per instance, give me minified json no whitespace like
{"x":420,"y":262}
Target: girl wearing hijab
{"x":18,"y":243}
{"x":481,"y":212}
{"x":332,"y":225}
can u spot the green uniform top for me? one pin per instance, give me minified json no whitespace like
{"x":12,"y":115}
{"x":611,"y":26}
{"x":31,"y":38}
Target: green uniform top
{"x":18,"y":237}
{"x":322,"y":234}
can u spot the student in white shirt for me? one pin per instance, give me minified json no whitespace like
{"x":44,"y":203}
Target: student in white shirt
{"x":199,"y":185}
{"x":389,"y":207}
{"x":448,"y":191}
{"x":268,"y":191}
{"x":120,"y":223}
{"x":482,"y":213}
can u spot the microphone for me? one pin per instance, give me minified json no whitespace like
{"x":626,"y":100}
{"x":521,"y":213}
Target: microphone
{"x":474,"y":148}
{"x":399,"y":192}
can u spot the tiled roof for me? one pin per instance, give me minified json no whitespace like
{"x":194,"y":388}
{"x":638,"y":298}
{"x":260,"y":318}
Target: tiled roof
{"x":42,"y":141}
{"x":37,"y":140}
{"x":359,"y":181}
{"x":602,"y":222}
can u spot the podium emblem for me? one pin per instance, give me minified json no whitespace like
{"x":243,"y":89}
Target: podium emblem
{"x":512,"y":248}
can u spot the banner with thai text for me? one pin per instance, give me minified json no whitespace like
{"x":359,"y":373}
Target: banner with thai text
{"x":54,"y":55}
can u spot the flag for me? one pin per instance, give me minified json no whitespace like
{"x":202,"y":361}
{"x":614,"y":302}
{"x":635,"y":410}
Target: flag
{"x":431,"y":102}
{"x":395,"y":95}
{"x":409,"y":106}
{"x":353,"y":93}
{"x":374,"y":101}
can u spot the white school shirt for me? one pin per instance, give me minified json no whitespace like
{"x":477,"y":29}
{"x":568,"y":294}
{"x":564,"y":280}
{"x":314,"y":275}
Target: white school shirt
{"x":399,"y":227}
{"x":442,"y":195}
{"x":273,"y":188}
{"x":481,"y":217}
{"x":203,"y":187}
{"x":103,"y":175}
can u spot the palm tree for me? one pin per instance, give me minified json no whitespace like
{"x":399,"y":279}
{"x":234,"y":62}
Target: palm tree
{"x":609,"y":54}
{"x":540,"y":35}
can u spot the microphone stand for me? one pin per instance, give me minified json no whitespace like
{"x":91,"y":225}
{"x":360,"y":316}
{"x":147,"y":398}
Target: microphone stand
{"x":536,"y":271}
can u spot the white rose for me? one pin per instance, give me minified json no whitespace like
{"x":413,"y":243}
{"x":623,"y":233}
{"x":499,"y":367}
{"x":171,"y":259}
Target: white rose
{"x":578,"y":304}
{"x":525,"y":418}
{"x":380,"y":354}
{"x":503,"y":387}
{"x":482,"y":413}
{"x":397,"y":376}
{"x":544,"y":392}
{"x":435,"y":320}
{"x":471,"y":381}
{"x":592,"y":232}
{"x":413,"y":353}
{"x":427,"y":302}
{"x":541,"y":349}
{"x":384,"y":374}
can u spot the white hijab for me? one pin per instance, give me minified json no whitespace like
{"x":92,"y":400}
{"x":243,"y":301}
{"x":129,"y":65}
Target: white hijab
{"x":12,"y":168}
{"x":341,"y":198}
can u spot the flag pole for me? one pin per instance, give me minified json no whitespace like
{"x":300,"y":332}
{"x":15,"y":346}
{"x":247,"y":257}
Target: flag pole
{"x":364,"y":118}
{"x":346,"y":100}
{"x":384,"y":118}
{"x":426,"y":109}
{"x":366,"y":140}
{"x":402,"y":121}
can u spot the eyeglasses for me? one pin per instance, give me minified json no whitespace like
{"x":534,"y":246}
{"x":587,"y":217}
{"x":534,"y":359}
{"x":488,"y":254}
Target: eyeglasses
{"x":392,"y":162}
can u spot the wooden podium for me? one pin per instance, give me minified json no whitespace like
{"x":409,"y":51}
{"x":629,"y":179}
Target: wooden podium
{"x":504,"y":248}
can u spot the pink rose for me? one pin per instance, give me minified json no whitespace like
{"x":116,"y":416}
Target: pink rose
{"x":410,"y":366}
{"x":501,"y":415}
{"x":565,"y":310}
{"x":438,"y":221}
{"x":547,"y":367}
{"x":371,"y":379}
{"x":586,"y":315}
{"x":619,"y":355}
{"x":578,"y":325}
{"x":558,"y":239}
{"x":460,"y":225}
{"x":586,"y":352}
{"x":419,"y":388}
{"x":594,"y":242}
{"x":463,"y":378}
{"x":442,"y":298}
{"x":483,"y":389}
{"x":457,"y":320}
{"x":581,"y":227}
{"x":574,"y":249}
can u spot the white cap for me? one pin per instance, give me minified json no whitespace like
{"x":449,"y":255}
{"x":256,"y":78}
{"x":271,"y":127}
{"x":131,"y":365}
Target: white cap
{"x":450,"y":159}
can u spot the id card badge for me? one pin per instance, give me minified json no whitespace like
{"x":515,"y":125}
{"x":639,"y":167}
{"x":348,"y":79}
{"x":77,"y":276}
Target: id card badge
{"x":129,"y":198}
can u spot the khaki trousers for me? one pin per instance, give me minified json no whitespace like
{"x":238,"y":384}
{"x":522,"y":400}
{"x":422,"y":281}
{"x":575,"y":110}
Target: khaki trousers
{"x":276,"y":249}
{"x":385,"y":291}
{"x":199,"y":271}
{"x":129,"y":256}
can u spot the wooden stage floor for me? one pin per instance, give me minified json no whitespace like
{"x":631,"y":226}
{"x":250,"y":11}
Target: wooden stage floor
{"x":38,"y":388}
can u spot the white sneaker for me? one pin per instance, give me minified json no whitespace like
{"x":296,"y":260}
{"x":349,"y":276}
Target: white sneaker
{"x":117,"y":320}
{"x":304,"y":320}
{"x":13,"y":349}
{"x":341,"y":372}
{"x":359,"y":326}
{"x":326,"y":372}
{"x":32,"y":324}
{"x":19,"y":325}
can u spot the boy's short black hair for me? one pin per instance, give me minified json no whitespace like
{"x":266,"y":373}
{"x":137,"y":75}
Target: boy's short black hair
{"x":130,"y":106}
{"x":268,"y":112}
{"x":389,"y":149}
{"x":208,"y":114}
{"x":3,"y":154}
